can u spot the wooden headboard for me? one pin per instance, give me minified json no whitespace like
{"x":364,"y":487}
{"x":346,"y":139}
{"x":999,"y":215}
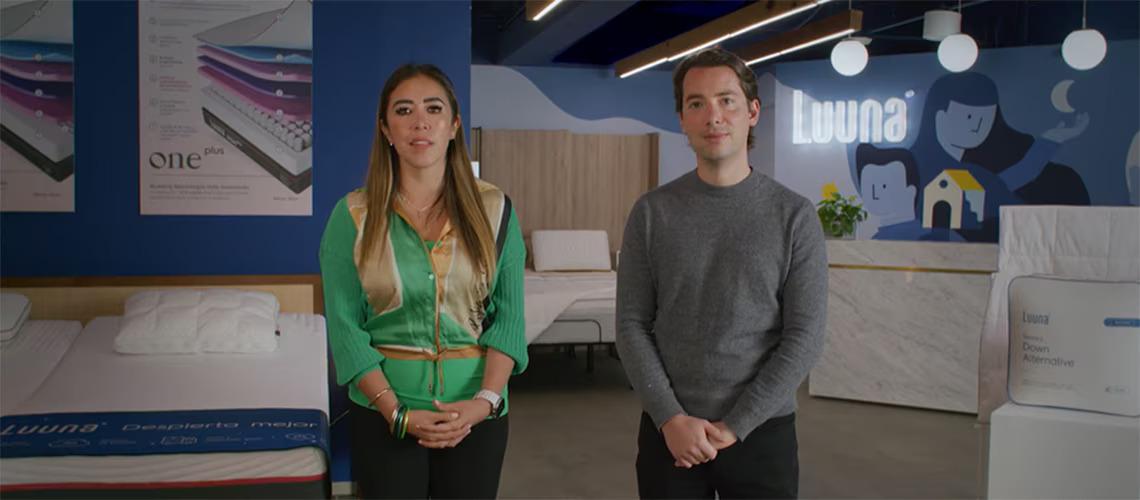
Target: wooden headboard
{"x":84,"y":298}
{"x":562,"y":180}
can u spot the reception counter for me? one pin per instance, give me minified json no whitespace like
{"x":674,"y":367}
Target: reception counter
{"x":904,"y":320}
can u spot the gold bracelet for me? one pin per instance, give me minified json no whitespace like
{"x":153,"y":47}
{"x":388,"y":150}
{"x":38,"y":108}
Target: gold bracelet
{"x":372,"y":402}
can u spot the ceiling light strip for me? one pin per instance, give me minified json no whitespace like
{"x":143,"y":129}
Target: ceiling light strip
{"x":643,"y":68}
{"x":804,"y":45}
{"x":546,"y":10}
{"x":746,"y":29}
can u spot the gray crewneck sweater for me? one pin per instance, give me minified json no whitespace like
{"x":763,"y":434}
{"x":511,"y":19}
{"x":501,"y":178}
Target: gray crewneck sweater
{"x":722,"y":299}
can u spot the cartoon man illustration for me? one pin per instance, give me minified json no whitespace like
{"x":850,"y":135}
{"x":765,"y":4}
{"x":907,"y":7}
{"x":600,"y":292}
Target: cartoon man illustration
{"x":888,"y":183}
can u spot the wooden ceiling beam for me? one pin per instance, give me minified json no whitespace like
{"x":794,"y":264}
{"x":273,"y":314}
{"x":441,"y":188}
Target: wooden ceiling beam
{"x":722,"y":28}
{"x":848,"y":21}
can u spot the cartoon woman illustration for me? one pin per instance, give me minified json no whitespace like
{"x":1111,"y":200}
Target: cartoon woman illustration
{"x":963,"y":128}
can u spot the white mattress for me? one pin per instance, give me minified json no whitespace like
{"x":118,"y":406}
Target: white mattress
{"x":590,"y":308}
{"x":94,"y":378}
{"x":585,"y":321}
{"x":27,"y":359}
{"x":551,"y":296}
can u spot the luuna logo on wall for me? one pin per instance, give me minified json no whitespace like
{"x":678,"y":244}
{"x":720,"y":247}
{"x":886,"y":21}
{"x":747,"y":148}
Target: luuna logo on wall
{"x":848,"y":121}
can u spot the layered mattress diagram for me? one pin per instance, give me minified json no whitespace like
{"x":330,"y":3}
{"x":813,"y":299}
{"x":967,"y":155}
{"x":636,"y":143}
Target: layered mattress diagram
{"x":37,"y":85}
{"x":258,"y":95}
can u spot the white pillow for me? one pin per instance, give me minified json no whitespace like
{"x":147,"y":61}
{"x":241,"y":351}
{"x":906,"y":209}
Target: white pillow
{"x":191,"y":321}
{"x":1075,"y":344}
{"x":570,"y":250}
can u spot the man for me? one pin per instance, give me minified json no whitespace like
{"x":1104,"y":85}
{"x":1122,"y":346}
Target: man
{"x":722,"y":295}
{"x":887,"y":180}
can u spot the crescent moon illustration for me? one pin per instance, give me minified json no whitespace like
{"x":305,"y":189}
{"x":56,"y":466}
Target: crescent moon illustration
{"x":1060,"y":96}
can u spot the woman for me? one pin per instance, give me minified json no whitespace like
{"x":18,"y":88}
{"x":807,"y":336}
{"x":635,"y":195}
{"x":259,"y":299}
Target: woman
{"x":963,"y":127}
{"x":423,"y":288}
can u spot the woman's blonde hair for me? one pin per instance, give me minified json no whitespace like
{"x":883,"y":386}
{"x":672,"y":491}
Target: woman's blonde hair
{"x":461,"y":199}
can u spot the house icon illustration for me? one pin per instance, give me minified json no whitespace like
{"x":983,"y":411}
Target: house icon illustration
{"x":951,"y":199}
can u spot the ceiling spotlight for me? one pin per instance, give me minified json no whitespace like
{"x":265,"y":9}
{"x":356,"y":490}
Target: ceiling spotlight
{"x":849,"y":57}
{"x":958,"y":53}
{"x":1084,"y":48}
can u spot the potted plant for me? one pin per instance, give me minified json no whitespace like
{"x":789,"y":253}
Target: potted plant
{"x":838,"y":215}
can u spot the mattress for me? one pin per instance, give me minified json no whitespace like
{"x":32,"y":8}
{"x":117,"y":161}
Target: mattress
{"x":570,"y":307}
{"x":27,"y":359}
{"x":586,"y":321}
{"x":590,"y":308}
{"x":281,"y":147}
{"x":39,"y":127}
{"x":92,"y":378}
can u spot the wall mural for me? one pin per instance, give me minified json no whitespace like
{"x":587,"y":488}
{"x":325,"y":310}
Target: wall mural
{"x":936,"y":161}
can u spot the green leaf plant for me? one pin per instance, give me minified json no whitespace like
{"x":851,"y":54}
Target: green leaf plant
{"x":839,"y":215}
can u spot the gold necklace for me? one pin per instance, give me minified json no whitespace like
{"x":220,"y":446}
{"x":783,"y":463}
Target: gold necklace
{"x":419,"y":211}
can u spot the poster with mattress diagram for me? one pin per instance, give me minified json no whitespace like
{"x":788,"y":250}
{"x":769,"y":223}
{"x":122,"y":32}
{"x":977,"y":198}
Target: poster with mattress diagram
{"x":37,"y":124}
{"x":225,"y":107}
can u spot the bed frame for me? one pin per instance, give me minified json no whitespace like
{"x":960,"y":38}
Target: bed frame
{"x":85,"y":298}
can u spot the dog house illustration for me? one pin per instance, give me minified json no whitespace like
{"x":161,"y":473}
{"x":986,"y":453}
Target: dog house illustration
{"x":951,"y":198}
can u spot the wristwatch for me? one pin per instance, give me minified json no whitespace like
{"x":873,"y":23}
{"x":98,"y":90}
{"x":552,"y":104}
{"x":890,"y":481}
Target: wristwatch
{"x":493,"y":398}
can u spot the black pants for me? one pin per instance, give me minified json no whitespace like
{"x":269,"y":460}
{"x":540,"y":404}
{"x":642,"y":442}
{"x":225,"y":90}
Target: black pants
{"x":766,"y":465}
{"x":385,"y":467}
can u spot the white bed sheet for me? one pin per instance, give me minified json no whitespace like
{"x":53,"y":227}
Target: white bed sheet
{"x":27,"y":359}
{"x":94,"y":378}
{"x":586,"y":321}
{"x":550,"y":295}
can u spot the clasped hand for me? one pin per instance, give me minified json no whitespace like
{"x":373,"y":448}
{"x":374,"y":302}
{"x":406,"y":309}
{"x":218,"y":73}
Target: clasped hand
{"x":448,"y":424}
{"x":694,"y":441}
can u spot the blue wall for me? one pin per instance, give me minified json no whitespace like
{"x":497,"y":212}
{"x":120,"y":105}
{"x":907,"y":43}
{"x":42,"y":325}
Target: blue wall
{"x":356,"y":44}
{"x":594,"y":94}
{"x":584,"y":101}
